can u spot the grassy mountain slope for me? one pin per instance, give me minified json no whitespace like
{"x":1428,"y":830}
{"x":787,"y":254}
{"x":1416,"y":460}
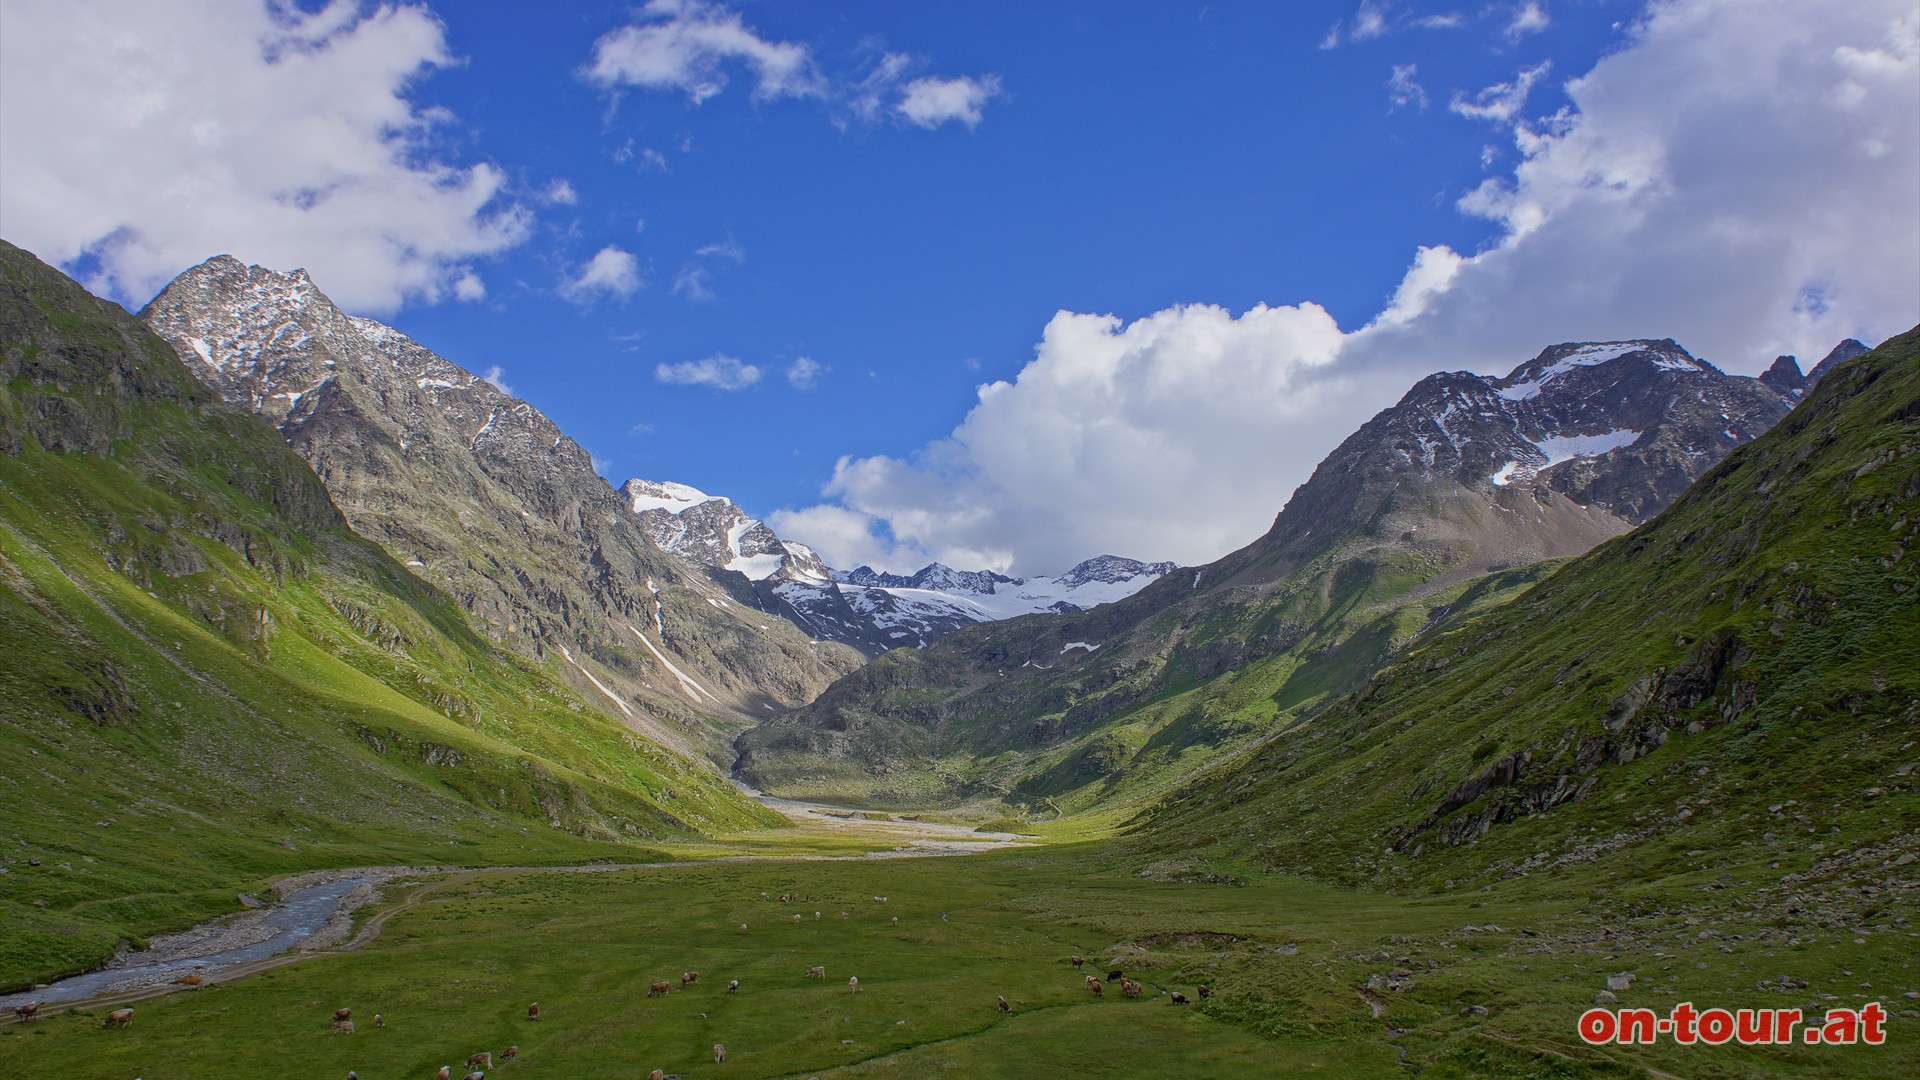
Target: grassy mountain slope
{"x":1433,"y":510}
{"x":1722,"y":706}
{"x":209,"y":679}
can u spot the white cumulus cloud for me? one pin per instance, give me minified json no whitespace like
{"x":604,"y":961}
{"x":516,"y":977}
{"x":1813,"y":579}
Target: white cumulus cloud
{"x":717,"y":371}
{"x":1736,"y":176}
{"x":1529,"y":18}
{"x":498,"y":377}
{"x":611,"y":272}
{"x":931,"y":101}
{"x":1402,"y":90}
{"x":686,"y":45}
{"x":137,"y":139}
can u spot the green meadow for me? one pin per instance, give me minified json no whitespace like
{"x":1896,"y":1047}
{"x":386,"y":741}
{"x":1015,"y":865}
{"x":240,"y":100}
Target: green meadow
{"x":1288,"y":962}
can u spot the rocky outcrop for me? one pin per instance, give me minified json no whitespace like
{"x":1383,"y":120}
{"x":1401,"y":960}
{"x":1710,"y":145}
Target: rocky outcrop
{"x":481,"y":494}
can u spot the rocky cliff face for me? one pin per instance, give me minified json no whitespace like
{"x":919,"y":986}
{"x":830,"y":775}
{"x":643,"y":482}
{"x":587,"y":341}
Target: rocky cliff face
{"x":481,"y":494}
{"x":1467,"y":475}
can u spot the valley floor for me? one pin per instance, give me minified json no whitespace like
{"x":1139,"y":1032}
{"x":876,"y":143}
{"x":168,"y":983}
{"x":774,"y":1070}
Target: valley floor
{"x":459,"y":957}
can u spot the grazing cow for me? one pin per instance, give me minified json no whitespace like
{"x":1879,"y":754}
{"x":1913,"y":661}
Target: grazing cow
{"x":1093,"y":984}
{"x":843,"y":914}
{"x":816,"y":916}
{"x":853,"y":983}
{"x":1130,"y":988}
{"x":896,"y":920}
{"x":445,"y":1073}
{"x":190,"y":980}
{"x":796,"y":918}
{"x":657,"y":1074}
{"x":764,"y":896}
{"x":351,"y":1075}
{"x":475,"y":1075}
{"x":817,"y":972}
{"x":659,"y":989}
{"x":118,"y":1018}
{"x":1115,"y":975}
{"x":1205,"y":992}
{"x":719,"y":1054}
{"x":1004,"y":1007}
{"x":1178,"y":998}
{"x":510,"y":1053}
{"x":344,"y":1027}
{"x":688,"y":979}
{"x":1076,"y":961}
{"x":733,"y":986}
{"x":743,"y":928}
{"x":533,"y":1011}
{"x":378,"y":1021}
{"x":481,"y":1060}
{"x":879,"y":899}
{"x":342,"y":1014}
{"x":27,"y":1012}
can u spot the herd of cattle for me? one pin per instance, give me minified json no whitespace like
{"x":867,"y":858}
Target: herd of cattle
{"x":483,"y":1060}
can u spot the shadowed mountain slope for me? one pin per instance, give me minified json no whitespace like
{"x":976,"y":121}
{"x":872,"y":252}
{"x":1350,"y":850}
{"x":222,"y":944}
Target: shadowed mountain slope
{"x":1726,"y":699}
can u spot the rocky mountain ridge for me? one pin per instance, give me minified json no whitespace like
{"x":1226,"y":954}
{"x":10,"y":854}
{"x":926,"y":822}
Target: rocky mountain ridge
{"x":1436,"y":506}
{"x":482,"y":494}
{"x":868,"y":609}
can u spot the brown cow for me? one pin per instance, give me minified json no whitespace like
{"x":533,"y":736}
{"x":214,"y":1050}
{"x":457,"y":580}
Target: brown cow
{"x":445,"y":1073}
{"x":1093,"y":984}
{"x":660,"y":989}
{"x":733,"y":986}
{"x":1130,"y":988}
{"x":1004,"y":1007}
{"x":1115,"y":975}
{"x":118,"y":1018}
{"x":1076,"y":961}
{"x":817,"y":972}
{"x":533,"y":1011}
{"x":510,"y":1053}
{"x":379,"y":1021}
{"x":719,"y":1054}
{"x":1205,"y":992}
{"x":27,"y":1012}
{"x":342,"y":1014}
{"x":481,"y":1060}
{"x":657,"y":1074}
{"x":689,"y":979}
{"x":1179,"y":998}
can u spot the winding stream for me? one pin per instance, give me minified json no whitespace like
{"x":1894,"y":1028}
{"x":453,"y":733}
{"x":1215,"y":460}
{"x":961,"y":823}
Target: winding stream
{"x":217,"y":948}
{"x":296,"y":918}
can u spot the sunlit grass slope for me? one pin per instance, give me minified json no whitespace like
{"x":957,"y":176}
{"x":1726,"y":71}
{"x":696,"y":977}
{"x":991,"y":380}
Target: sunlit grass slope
{"x":206,"y":679}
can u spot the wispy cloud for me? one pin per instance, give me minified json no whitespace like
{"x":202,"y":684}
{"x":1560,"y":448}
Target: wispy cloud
{"x":1501,"y":102}
{"x":804,"y":373}
{"x":497,"y":376}
{"x":1529,"y":18}
{"x":689,"y":46}
{"x":717,"y":371}
{"x":560,"y":193}
{"x":1403,"y":91}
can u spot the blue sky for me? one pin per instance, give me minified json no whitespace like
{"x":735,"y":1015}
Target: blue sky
{"x":625,"y":212}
